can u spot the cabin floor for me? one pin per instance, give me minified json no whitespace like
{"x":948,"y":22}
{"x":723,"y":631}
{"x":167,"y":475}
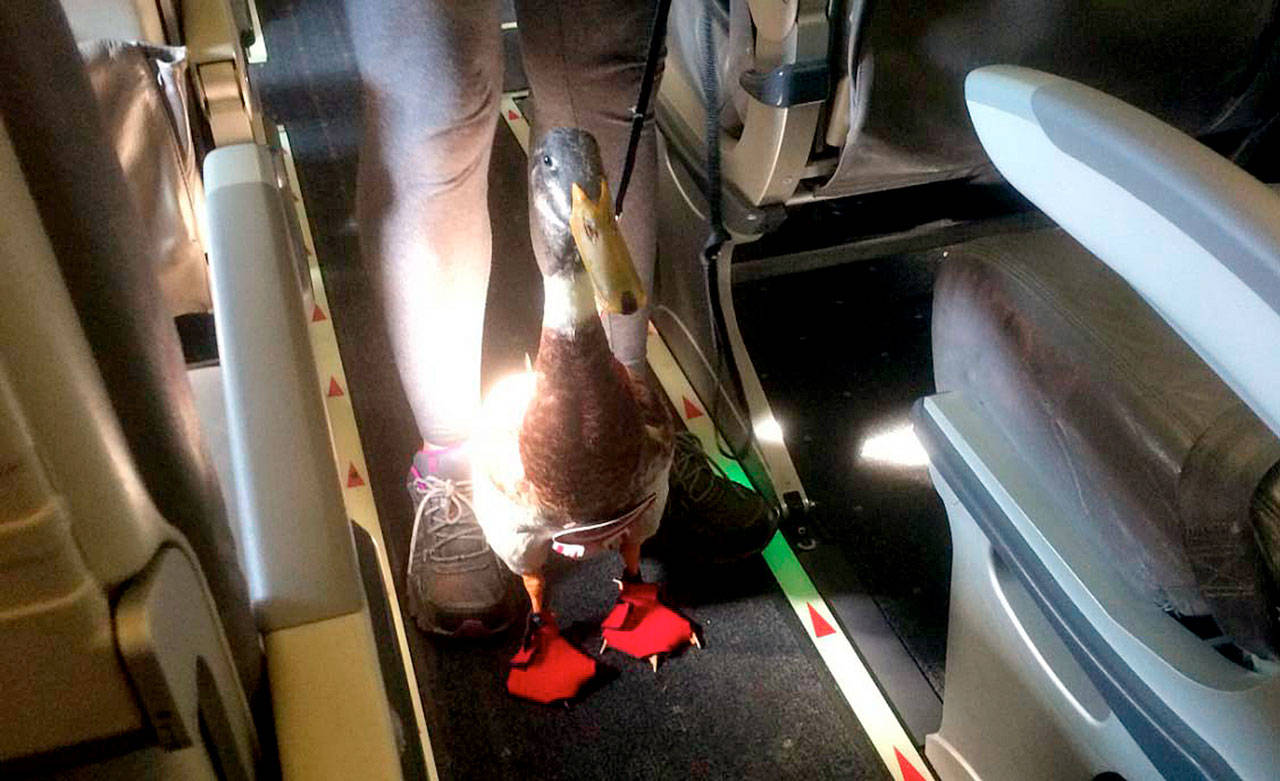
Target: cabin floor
{"x":842,"y":354}
{"x":758,"y":701}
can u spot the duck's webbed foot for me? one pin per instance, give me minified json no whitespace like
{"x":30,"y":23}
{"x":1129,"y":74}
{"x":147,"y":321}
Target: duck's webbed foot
{"x":548,"y":668}
{"x":640,"y":625}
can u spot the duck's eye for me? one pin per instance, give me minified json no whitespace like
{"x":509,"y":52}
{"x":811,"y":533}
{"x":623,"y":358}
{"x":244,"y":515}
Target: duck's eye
{"x":546,"y":160}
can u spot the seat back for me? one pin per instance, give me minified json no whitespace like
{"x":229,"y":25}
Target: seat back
{"x":111,"y":644}
{"x":101,"y":248}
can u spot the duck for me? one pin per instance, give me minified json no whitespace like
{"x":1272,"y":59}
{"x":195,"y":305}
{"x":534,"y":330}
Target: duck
{"x":572,"y":456}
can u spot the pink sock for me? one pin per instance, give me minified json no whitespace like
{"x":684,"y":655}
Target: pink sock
{"x":446,"y":461}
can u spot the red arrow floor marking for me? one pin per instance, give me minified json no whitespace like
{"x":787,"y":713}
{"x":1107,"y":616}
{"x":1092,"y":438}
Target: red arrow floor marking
{"x":317,"y":314}
{"x":820,"y":626}
{"x":691,"y":410}
{"x":513,"y":116}
{"x":908,"y":770}
{"x":354,"y":480}
{"x":334,"y":388}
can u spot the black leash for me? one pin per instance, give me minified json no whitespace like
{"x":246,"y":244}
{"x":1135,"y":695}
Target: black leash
{"x":657,"y":38}
{"x":719,"y":235}
{"x":716,"y":240}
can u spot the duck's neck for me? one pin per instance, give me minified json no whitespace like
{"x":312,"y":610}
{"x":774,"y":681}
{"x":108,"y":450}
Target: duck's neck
{"x":569,"y":304}
{"x":573,"y":348}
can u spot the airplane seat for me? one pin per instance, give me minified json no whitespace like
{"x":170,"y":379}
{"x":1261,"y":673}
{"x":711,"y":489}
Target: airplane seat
{"x":1151,"y":463}
{"x":826,"y":100}
{"x":75,"y":167}
{"x":1158,"y":477}
{"x":135,"y":628}
{"x":1105,"y":443}
{"x":827,"y":107}
{"x":74,"y":178}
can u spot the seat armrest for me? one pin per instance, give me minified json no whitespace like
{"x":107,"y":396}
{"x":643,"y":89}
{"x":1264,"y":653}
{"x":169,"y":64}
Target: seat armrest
{"x":332,"y":715}
{"x":298,"y":547}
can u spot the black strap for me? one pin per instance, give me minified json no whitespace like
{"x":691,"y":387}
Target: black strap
{"x":711,"y":135}
{"x":715,"y":202}
{"x":657,"y":36}
{"x":716,"y":240}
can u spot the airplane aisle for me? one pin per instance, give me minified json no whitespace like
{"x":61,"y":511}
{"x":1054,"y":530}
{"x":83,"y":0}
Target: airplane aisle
{"x":757,"y":702}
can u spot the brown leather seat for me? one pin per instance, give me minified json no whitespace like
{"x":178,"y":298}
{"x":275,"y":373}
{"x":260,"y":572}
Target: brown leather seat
{"x":1136,"y":439}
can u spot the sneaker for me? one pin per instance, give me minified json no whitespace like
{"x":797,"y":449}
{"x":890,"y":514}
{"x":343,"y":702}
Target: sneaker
{"x":456,"y":585}
{"x":708,"y":516}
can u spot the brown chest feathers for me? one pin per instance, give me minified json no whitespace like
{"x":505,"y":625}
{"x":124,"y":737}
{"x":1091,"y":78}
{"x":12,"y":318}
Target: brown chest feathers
{"x":583,"y":437}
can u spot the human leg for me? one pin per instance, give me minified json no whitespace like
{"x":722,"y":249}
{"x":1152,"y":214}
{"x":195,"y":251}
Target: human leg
{"x":430,"y":80}
{"x":430,"y":73}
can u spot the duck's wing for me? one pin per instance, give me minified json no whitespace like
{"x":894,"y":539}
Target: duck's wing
{"x":659,"y":445}
{"x":654,"y":411}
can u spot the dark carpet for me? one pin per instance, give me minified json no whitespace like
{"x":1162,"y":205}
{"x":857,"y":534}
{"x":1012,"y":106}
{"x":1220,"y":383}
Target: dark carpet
{"x":842,"y":354}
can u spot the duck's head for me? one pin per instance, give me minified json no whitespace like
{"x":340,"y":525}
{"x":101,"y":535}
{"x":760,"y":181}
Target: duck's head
{"x":572,"y":223}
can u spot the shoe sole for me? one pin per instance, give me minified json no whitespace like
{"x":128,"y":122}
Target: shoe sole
{"x":465,"y":627}
{"x":469,"y":628}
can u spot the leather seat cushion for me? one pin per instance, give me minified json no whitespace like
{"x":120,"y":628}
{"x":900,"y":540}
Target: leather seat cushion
{"x":1138,"y":441}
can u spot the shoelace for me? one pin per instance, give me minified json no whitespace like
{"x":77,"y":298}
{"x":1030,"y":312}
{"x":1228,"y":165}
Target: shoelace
{"x":451,"y":499}
{"x":695,"y":471}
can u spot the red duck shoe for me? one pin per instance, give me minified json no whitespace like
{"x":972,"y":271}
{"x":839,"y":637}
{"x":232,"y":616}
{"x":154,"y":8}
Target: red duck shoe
{"x":547,"y":668}
{"x":643,"y":627}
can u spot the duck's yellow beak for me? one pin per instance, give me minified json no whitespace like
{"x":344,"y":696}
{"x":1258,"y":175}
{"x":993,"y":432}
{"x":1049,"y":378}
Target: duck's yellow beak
{"x":604,"y":253}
